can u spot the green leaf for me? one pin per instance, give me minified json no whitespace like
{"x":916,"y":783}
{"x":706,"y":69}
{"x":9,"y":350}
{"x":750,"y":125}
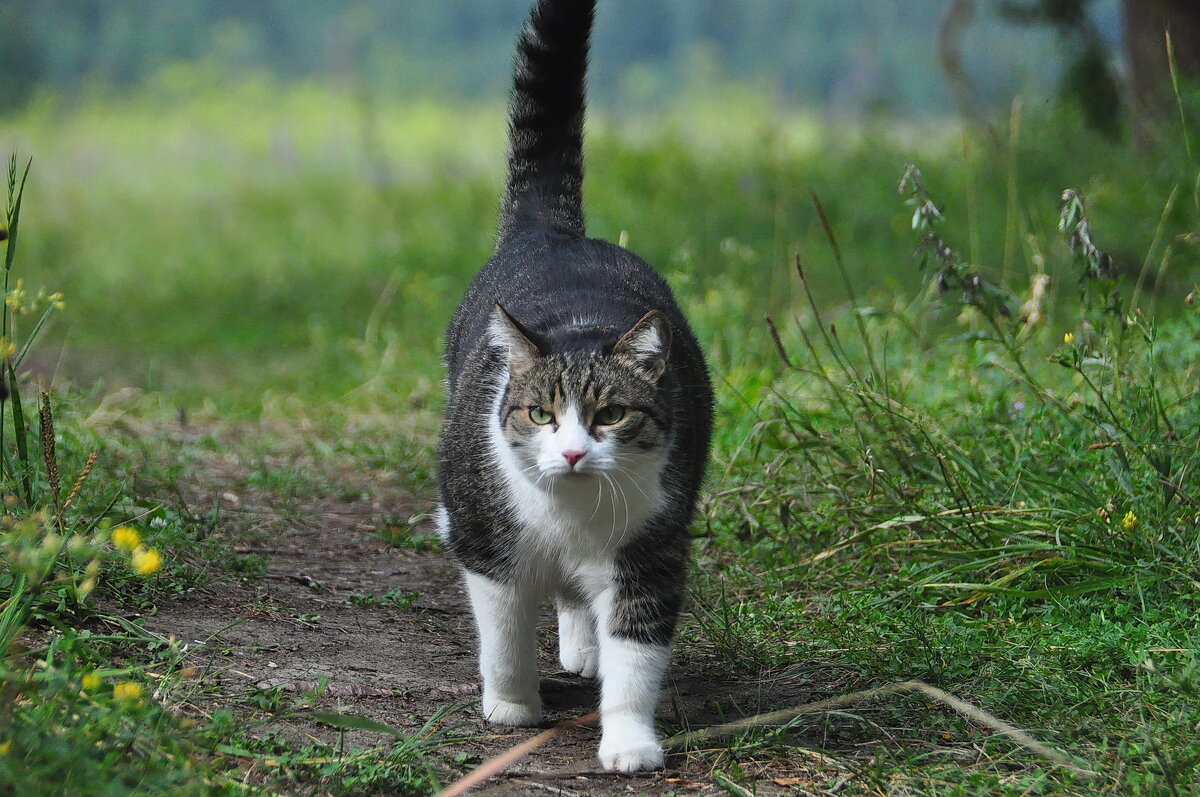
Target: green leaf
{"x":32,"y":337}
{"x":19,"y":430}
{"x":14,"y":212}
{"x":354,"y":722}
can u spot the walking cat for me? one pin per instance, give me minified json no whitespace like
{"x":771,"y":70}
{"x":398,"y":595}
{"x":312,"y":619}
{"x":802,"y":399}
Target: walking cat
{"x":577,"y":426}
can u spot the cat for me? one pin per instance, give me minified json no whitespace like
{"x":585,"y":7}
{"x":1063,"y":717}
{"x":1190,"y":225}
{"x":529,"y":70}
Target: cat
{"x":577,"y":425}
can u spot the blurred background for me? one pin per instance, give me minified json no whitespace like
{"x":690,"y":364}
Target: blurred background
{"x":850,"y":57}
{"x":246,"y":199}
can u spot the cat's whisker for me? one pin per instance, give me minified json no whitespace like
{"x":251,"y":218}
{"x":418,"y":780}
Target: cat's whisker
{"x":612,"y":498}
{"x":621,"y":490}
{"x":617,"y":490}
{"x":633,"y":481}
{"x":536,"y":478}
{"x":599,"y":495}
{"x":620,"y":459}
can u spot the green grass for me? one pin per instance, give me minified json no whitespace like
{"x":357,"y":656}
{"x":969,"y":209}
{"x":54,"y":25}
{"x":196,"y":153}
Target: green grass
{"x":392,"y":599}
{"x":924,"y":489}
{"x":1003,"y":512}
{"x":241,"y":245}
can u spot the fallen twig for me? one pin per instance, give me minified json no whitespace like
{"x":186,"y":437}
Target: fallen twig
{"x":511,"y":756}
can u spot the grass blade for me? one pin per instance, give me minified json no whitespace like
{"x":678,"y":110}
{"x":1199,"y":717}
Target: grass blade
{"x":19,"y":430}
{"x":32,"y":337}
{"x":14,"y":210}
{"x":354,"y":722}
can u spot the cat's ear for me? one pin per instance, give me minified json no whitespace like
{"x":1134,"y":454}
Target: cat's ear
{"x":522,"y":346}
{"x":648,"y":343}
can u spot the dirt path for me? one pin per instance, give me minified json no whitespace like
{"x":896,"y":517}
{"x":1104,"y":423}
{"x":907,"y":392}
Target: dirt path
{"x":317,"y":614}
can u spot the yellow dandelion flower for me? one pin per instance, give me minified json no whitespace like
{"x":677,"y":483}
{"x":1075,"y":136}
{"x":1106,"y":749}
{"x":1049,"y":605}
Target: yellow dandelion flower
{"x":5,"y":747}
{"x":146,"y":562}
{"x":127,"y":691}
{"x":126,"y":538}
{"x":1069,"y":338}
{"x":1129,"y":521}
{"x":91,"y":682}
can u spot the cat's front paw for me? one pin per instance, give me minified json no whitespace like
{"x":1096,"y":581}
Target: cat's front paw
{"x":503,"y":712}
{"x":581,"y":661}
{"x":629,"y":755}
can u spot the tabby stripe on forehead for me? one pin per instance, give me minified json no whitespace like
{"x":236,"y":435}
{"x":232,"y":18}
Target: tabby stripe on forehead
{"x":587,"y":383}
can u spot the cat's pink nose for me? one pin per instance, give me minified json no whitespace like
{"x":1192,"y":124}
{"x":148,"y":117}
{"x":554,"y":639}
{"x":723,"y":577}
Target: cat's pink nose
{"x":572,"y":457}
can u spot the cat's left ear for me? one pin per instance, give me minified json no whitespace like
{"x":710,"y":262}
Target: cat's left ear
{"x":522,"y":346}
{"x":648,"y":343}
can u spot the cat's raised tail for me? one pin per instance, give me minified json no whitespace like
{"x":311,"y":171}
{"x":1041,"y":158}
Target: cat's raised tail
{"x":546,"y":109}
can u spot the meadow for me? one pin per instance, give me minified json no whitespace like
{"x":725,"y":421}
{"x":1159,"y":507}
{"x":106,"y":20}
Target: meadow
{"x":974,"y":466}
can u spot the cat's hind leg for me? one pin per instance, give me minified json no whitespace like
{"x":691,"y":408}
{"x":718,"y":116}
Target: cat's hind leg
{"x":578,"y":648}
{"x":506,"y":617}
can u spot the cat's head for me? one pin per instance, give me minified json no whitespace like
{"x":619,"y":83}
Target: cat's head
{"x":587,"y":411}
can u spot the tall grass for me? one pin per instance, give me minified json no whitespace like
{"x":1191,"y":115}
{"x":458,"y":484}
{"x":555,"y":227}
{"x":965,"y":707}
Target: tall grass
{"x":1025,"y":456}
{"x":311,"y":240}
{"x":67,"y":709}
{"x":988,"y":467}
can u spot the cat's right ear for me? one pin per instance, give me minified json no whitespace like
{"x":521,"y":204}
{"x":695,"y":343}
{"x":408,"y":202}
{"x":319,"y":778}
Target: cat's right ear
{"x":648,"y":343}
{"x":521,"y":345}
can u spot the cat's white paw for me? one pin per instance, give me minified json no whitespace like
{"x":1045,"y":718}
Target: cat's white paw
{"x":502,"y":712}
{"x":581,"y":661}
{"x":630,"y":755}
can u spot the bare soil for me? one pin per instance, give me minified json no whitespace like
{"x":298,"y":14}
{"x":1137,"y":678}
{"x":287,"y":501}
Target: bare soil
{"x":297,"y":626}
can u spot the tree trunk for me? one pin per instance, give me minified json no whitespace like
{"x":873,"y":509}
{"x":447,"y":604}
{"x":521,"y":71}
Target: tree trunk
{"x":1145,"y":24}
{"x":20,"y":61}
{"x":950,"y":35}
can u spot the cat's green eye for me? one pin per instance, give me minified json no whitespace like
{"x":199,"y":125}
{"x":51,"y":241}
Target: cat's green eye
{"x":607,"y":416}
{"x":540,"y":416}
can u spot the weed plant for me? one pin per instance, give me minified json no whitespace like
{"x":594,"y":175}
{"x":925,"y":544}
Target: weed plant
{"x":74,"y":719}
